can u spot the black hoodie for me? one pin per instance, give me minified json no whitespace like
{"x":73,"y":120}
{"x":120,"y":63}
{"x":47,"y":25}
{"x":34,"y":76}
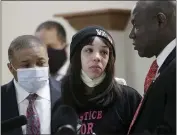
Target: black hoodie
{"x":107,"y":111}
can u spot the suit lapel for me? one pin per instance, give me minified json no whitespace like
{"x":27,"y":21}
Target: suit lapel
{"x":54,"y":94}
{"x":168,"y":60}
{"x":12,"y":106}
{"x":170,"y":57}
{"x":166,"y":63}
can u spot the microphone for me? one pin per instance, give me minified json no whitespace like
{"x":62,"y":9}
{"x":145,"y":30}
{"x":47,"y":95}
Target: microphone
{"x":13,"y":123}
{"x":65,"y":121}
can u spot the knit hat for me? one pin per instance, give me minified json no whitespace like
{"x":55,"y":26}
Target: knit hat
{"x":87,"y":32}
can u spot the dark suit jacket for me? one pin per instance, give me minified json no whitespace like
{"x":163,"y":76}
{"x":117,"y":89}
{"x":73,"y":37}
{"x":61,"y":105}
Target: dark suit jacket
{"x":9,"y":106}
{"x":157,"y":114}
{"x":55,"y":83}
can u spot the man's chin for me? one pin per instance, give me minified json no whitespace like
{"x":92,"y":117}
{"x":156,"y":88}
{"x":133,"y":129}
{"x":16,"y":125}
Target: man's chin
{"x":142,"y":55}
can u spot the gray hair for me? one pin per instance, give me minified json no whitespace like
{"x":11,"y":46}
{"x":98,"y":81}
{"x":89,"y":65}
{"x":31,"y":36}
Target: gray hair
{"x":22,"y":42}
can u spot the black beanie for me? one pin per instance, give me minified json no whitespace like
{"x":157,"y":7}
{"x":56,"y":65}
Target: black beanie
{"x":87,"y":32}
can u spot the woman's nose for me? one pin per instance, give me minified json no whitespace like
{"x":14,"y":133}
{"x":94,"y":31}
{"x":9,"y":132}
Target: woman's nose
{"x":96,"y":56}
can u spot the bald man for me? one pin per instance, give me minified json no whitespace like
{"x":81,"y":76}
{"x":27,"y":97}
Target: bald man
{"x":154,"y":34}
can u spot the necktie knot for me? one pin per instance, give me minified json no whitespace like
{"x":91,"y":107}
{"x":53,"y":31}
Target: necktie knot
{"x":154,"y":65}
{"x":151,"y":75}
{"x":32,"y":97}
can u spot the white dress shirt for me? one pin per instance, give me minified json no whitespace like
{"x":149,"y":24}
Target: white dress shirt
{"x":42,"y":105}
{"x":165,"y":52}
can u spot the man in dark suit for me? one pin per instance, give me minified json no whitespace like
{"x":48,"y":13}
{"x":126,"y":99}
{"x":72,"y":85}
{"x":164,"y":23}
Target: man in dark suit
{"x":154,"y":34}
{"x":30,"y":92}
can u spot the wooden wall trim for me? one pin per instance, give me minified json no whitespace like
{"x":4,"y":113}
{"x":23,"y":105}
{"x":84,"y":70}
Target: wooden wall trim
{"x":111,"y":19}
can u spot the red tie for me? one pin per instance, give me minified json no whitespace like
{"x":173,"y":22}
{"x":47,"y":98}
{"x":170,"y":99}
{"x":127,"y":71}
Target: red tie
{"x":150,"y":76}
{"x":33,"y":126}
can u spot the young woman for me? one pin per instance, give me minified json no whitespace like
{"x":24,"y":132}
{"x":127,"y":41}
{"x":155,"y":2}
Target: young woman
{"x":104,"y":106}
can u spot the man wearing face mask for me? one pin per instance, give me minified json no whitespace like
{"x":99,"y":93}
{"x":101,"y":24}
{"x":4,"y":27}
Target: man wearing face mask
{"x":30,"y":93}
{"x":54,"y":36}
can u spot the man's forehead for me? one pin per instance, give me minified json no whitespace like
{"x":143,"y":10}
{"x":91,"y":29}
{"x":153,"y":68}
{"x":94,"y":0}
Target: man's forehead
{"x":138,"y":11}
{"x":137,"y":8}
{"x":46,"y":32}
{"x":134,"y":16}
{"x":133,"y":10}
{"x":38,"y":50}
{"x":141,"y":6}
{"x":47,"y":36}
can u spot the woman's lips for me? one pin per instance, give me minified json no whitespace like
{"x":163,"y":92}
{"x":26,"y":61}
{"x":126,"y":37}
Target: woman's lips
{"x":95,"y":66}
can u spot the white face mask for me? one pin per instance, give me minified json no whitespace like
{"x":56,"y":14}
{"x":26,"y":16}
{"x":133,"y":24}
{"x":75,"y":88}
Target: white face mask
{"x":33,"y":79}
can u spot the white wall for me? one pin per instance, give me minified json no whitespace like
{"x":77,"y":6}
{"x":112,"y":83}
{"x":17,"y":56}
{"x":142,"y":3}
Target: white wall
{"x":22,"y":17}
{"x":118,"y":37}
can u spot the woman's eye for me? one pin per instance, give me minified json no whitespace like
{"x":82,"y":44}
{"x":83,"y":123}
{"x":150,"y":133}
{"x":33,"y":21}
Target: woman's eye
{"x":104,"y":52}
{"x":88,"y":50}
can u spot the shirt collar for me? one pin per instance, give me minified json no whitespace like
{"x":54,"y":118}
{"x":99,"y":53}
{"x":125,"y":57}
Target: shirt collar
{"x":22,"y":94}
{"x":165,"y":52}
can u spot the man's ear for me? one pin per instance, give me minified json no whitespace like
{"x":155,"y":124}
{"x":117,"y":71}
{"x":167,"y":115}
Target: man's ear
{"x":10,"y":67}
{"x":12,"y":70}
{"x":162,"y":20}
